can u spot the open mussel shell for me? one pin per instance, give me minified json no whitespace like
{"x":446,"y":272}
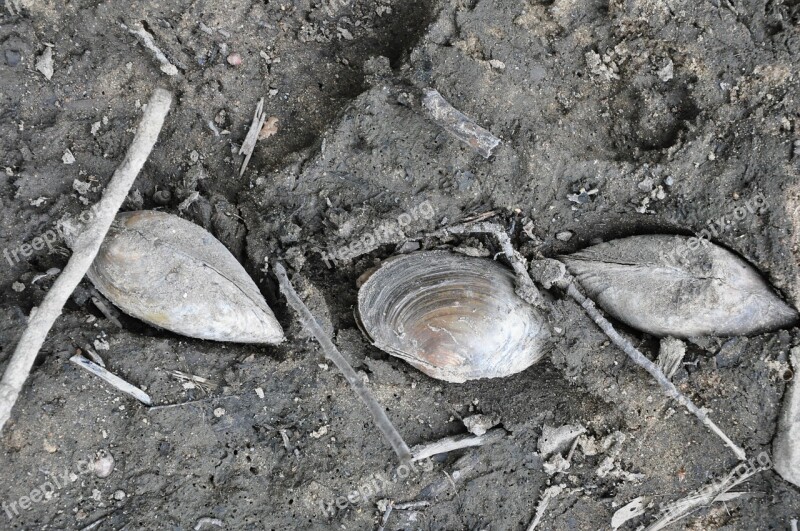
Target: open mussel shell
{"x":678,"y":286}
{"x":453,"y":317}
{"x":175,"y":275}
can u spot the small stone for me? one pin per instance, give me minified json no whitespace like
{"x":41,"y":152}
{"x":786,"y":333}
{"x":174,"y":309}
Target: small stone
{"x":119,"y":495}
{"x":101,"y":344}
{"x":49,"y":447}
{"x":103,"y":464}
{"x":234,"y":59}
{"x":496,"y":64}
{"x":323,"y":430}
{"x":480,"y":424}
{"x":712,"y":156}
{"x":269,"y":128}
{"x":68,"y":157}
{"x":667,"y":72}
{"x":260,"y":392}
{"x":13,"y":57}
{"x":19,"y":287}
{"x":564,"y":236}
{"x":220,"y":411}
{"x":669,"y":181}
{"x":194,"y":156}
{"x":44,"y":63}
{"x":95,"y":128}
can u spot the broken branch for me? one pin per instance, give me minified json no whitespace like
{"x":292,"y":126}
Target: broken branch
{"x":85,"y":249}
{"x":308,"y":321}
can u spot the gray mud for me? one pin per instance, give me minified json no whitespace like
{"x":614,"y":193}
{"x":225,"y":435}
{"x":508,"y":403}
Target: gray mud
{"x":672,"y":114}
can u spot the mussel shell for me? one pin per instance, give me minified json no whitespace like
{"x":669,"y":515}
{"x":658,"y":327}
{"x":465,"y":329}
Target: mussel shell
{"x":453,"y":317}
{"x":673,"y":286}
{"x":175,"y":275}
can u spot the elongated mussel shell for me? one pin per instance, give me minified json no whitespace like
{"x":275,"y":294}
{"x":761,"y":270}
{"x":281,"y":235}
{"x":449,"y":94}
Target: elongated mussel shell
{"x":175,"y":275}
{"x":453,"y":317}
{"x":678,"y":286}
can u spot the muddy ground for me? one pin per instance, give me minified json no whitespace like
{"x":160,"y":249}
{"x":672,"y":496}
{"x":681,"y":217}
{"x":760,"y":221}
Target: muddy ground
{"x":674,"y":112}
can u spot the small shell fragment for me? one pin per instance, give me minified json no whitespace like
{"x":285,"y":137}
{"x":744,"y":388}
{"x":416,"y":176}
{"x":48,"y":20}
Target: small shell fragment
{"x":678,"y":286}
{"x":453,"y":317}
{"x":175,"y":275}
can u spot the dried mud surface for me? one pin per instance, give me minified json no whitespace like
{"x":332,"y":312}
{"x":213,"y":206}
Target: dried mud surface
{"x":673,"y":114}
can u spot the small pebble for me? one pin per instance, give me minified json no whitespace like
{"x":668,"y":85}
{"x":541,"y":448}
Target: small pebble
{"x":260,"y":392}
{"x":119,"y":495}
{"x":18,"y":287}
{"x":68,"y":157}
{"x":219,"y":412}
{"x":104,"y":464}
{"x":564,"y":236}
{"x":234,"y":59}
{"x":13,"y":57}
{"x":669,"y":181}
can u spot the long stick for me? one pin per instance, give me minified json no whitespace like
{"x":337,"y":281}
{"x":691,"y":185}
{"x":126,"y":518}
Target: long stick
{"x":84,"y":251}
{"x":385,"y":425}
{"x":642,"y":361}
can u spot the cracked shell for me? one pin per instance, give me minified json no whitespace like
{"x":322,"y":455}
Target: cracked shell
{"x":678,"y":286}
{"x":175,"y":275}
{"x":453,"y":317}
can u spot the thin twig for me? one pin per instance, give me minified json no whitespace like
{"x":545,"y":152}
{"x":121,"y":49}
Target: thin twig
{"x":249,"y":144}
{"x":714,"y":492}
{"x":190,"y":402}
{"x":525,"y":287}
{"x":111,"y":379}
{"x":84,"y":252}
{"x":458,"y":124}
{"x":308,"y":321}
{"x":149,"y":42}
{"x":386,"y":515}
{"x":458,"y":442}
{"x":549,"y":494}
{"x":641,"y":360}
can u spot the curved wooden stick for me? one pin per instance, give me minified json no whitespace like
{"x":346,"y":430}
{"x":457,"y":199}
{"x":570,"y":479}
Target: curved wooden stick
{"x":84,"y":251}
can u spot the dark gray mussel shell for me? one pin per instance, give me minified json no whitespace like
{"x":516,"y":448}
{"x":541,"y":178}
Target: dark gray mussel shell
{"x":678,"y":286}
{"x":175,"y":275}
{"x":453,"y":317}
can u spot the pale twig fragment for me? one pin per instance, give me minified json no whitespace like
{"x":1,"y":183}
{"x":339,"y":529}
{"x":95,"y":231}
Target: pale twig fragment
{"x":524,"y":284}
{"x":631,"y":510}
{"x":457,"y":442}
{"x":252,"y":136}
{"x":548,"y":494}
{"x":310,"y":323}
{"x":111,"y":379}
{"x":670,"y":355}
{"x":85,"y":250}
{"x":458,"y":124}
{"x":716,"y":491}
{"x":149,"y":42}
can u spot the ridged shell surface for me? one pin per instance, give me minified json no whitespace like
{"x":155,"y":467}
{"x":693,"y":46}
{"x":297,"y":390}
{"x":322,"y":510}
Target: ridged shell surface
{"x":175,"y":275}
{"x":678,"y":286}
{"x":453,"y":317}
